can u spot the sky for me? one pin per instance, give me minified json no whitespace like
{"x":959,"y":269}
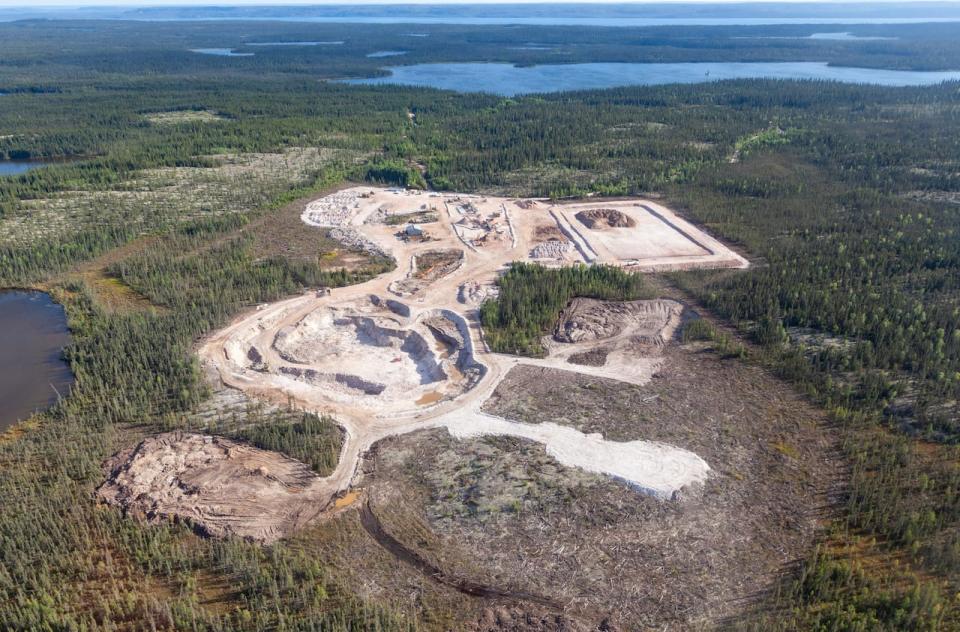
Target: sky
{"x":141,"y":3}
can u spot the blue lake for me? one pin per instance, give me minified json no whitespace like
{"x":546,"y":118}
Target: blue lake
{"x":16,"y":167}
{"x":573,"y":20}
{"x":332,"y":43}
{"x":509,"y":80}
{"x":220,"y":52}
{"x":33,"y":373}
{"x":848,"y":37}
{"x":844,"y":36}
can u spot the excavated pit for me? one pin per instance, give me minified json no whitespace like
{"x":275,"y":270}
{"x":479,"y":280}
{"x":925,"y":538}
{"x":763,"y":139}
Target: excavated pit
{"x":619,"y":339}
{"x":370,"y":354}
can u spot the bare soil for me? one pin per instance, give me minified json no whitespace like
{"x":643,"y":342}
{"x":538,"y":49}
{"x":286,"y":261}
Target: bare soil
{"x":436,"y":264}
{"x":588,"y":319}
{"x":218,"y":486}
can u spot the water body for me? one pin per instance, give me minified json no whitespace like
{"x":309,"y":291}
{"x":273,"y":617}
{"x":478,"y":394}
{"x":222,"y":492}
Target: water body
{"x":387,"y":53}
{"x":16,"y":167}
{"x":337,"y":43}
{"x":533,"y":47}
{"x":220,"y":52}
{"x":847,"y":37}
{"x":598,"y":14}
{"x":510,"y":80}
{"x":33,"y":333}
{"x":571,"y":20}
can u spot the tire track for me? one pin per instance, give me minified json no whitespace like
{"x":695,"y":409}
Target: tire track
{"x":410,"y":557}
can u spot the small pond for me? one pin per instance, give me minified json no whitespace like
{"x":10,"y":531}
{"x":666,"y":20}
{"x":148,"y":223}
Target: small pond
{"x":33,"y":333}
{"x":16,"y":167}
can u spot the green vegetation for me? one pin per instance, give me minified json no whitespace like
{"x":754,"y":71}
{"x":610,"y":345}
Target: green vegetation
{"x":313,"y":440}
{"x":71,"y":565}
{"x":700,"y":330}
{"x":531,"y":297}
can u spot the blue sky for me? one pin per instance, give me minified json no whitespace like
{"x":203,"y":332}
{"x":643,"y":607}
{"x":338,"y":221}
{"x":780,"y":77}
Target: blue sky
{"x":113,"y":3}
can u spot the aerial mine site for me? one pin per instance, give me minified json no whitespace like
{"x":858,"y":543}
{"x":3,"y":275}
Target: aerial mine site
{"x":402,"y":357}
{"x":530,"y":316}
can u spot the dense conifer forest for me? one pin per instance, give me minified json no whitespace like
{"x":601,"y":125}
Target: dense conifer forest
{"x":845,"y":198}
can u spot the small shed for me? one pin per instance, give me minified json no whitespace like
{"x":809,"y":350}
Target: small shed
{"x":414,"y":231}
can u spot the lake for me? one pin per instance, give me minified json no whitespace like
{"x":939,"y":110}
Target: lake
{"x":510,"y":80}
{"x":16,"y":167}
{"x":33,"y":333}
{"x":330,"y":43}
{"x":220,"y":52}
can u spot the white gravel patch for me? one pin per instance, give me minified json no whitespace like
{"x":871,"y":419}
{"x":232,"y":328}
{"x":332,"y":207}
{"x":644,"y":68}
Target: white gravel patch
{"x":654,"y":468}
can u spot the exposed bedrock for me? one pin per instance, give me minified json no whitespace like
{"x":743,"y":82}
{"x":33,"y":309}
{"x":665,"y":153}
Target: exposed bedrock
{"x":319,"y":378}
{"x":451,"y":328}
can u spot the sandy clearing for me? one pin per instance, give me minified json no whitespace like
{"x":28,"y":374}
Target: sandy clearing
{"x":651,"y":237}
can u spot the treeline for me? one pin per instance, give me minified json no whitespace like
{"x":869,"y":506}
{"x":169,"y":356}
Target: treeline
{"x":75,"y":54}
{"x":305,"y":437}
{"x":531,"y":297}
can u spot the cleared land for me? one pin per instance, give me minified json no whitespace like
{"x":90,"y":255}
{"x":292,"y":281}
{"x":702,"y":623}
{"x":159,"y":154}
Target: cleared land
{"x":220,"y":486}
{"x":502,"y":512}
{"x":644,"y":235}
{"x":233,"y":184}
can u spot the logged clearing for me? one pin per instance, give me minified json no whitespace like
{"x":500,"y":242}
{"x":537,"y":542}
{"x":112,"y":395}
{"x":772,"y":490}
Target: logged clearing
{"x":527,"y":521}
{"x":152,"y":198}
{"x":176,"y":117}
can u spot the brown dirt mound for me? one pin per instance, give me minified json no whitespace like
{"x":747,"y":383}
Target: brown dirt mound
{"x":602,"y":218}
{"x":594,"y":357}
{"x":219,"y":486}
{"x":587,"y":319}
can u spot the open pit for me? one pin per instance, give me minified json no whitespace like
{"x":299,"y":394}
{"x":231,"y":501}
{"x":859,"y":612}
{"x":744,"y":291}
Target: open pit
{"x":646,"y":322}
{"x":370,"y":353}
{"x":622,"y":340}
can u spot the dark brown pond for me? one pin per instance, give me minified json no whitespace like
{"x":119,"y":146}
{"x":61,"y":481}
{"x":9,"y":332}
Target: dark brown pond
{"x":33,"y":333}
